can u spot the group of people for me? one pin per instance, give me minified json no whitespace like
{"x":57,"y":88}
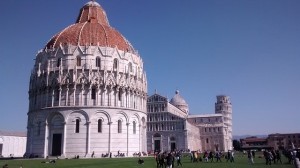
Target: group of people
{"x":167,"y":160}
{"x":272,"y":155}
{"x":210,"y":156}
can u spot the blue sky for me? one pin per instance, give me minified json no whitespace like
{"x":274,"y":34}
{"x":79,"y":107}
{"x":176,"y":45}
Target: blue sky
{"x":246,"y":49}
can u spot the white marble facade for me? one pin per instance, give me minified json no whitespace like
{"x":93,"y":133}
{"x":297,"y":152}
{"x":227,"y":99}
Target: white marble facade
{"x":87,"y":98}
{"x":88,"y":94}
{"x":12,"y":144}
{"x":170,"y":127}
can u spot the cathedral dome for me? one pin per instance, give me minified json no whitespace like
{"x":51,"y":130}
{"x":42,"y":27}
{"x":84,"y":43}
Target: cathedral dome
{"x":91,"y":29}
{"x":177,"y":99}
{"x":179,"y":102}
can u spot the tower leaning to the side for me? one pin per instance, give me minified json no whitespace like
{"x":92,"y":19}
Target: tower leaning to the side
{"x":223,"y":106}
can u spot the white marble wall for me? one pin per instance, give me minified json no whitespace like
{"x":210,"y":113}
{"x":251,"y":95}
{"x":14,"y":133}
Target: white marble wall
{"x":88,"y":139}
{"x":13,"y":145}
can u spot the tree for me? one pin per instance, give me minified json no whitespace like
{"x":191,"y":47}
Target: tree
{"x":236,"y":145}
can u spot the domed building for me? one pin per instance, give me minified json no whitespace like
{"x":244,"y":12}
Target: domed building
{"x":179,"y":102}
{"x":87,"y":92}
{"x":170,"y":126}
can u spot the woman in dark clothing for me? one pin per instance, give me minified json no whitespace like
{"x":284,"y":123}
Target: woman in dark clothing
{"x":169,"y":160}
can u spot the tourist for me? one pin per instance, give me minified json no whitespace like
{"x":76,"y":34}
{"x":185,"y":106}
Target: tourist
{"x":253,"y":153}
{"x":211,"y":156}
{"x":250,"y":157}
{"x":231,"y":156}
{"x":218,"y":156}
{"x":192,"y":156}
{"x":178,"y":158}
{"x":169,"y":160}
{"x":228,"y":156}
{"x":278,"y":156}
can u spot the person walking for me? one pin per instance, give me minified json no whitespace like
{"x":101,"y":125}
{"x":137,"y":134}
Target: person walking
{"x":278,"y":157}
{"x":178,"y":158}
{"x":250,"y":157}
{"x":169,"y":160}
{"x":232,"y":156}
{"x":218,"y":156}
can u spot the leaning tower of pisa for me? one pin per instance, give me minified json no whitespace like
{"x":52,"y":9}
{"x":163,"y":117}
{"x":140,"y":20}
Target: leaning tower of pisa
{"x":223,"y":106}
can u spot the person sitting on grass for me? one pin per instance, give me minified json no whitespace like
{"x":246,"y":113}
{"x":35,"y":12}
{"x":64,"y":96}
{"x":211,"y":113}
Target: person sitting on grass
{"x":140,"y":161}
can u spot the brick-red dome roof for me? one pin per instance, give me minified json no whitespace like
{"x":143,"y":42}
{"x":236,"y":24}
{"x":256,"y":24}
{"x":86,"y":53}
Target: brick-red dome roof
{"x":91,"y":28}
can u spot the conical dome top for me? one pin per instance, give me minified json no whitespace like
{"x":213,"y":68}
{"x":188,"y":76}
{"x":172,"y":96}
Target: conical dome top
{"x":91,"y":29}
{"x":92,"y":12}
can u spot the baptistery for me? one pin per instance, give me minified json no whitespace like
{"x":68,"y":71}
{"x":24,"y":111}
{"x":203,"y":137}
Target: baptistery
{"x":87,"y":92}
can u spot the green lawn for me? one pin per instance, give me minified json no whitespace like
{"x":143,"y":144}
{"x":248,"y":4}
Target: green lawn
{"x":240,"y":162}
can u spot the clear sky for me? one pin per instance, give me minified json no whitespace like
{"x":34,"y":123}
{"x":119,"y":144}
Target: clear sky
{"x":246,"y":49}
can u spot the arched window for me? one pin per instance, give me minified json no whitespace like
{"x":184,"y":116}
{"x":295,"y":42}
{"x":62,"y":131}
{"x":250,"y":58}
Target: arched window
{"x":115,"y":66}
{"x":120,"y":95}
{"x":93,"y":96}
{"x":77,"y":126}
{"x":99,"y":125}
{"x":206,"y":140}
{"x":119,"y":126}
{"x":39,"y":128}
{"x":58,"y":62}
{"x":98,"y":62}
{"x":78,"y":61}
{"x":134,"y":127}
{"x":57,"y":95}
{"x":130,"y":67}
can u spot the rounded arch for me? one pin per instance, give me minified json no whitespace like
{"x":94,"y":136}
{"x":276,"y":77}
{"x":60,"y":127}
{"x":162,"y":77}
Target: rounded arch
{"x":51,"y":115}
{"x":172,"y":138}
{"x":56,"y":119}
{"x":94,"y":115}
{"x":83,"y":113}
{"x":1,"y":140}
{"x":137,"y":116}
{"x":157,"y":135}
{"x":125,"y":115}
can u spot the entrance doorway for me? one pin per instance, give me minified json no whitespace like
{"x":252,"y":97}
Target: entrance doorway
{"x":157,"y":145}
{"x":157,"y":142}
{"x":173,"y":146}
{"x":56,"y":144}
{"x":217,"y":147}
{"x":172,"y":143}
{"x":1,"y":147}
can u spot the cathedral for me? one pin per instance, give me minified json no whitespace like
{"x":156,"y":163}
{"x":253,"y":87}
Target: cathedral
{"x":170,"y":126}
{"x":88,"y":97}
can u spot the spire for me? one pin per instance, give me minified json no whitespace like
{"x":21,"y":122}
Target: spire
{"x":92,"y":12}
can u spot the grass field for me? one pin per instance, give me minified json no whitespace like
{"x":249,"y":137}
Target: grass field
{"x":240,"y":162}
